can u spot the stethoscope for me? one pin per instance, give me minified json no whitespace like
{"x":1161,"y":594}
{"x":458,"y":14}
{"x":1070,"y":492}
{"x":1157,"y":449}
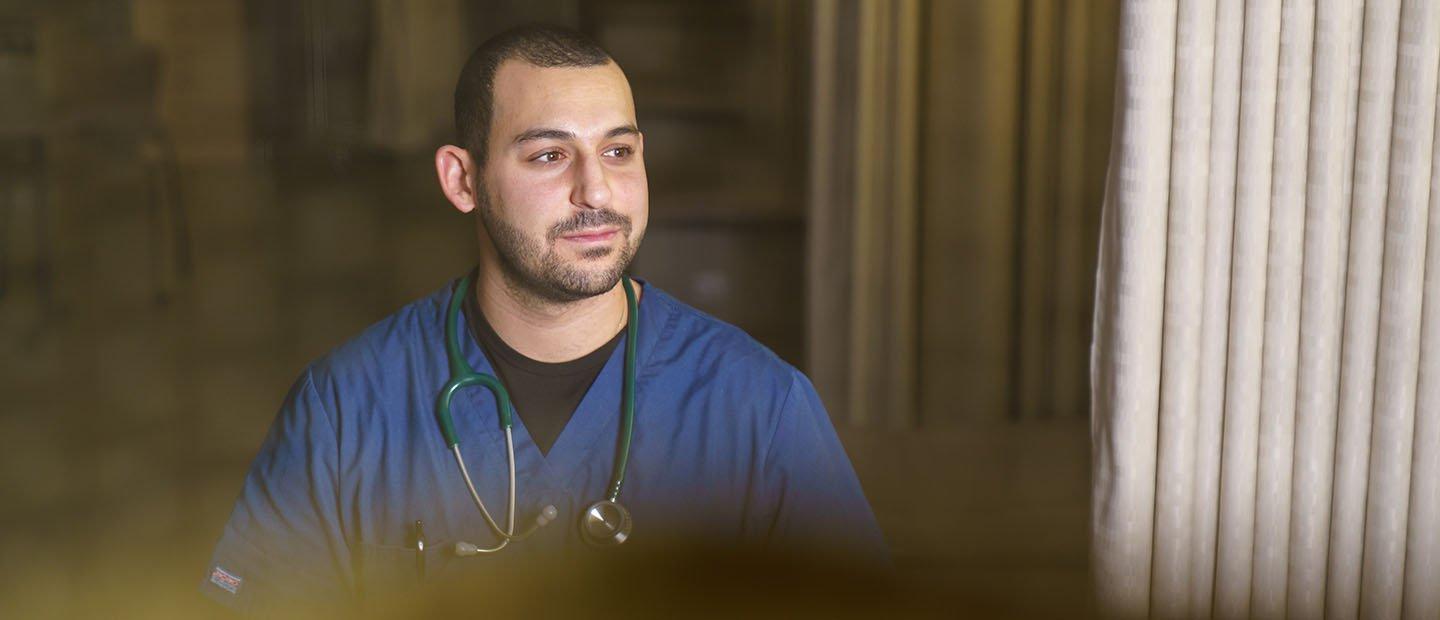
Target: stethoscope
{"x":605,"y":522}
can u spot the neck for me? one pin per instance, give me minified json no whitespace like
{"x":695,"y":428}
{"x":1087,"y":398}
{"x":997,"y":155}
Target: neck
{"x":547,"y":331}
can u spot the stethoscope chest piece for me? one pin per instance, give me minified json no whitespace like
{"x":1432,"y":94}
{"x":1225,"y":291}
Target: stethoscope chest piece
{"x":605,"y":524}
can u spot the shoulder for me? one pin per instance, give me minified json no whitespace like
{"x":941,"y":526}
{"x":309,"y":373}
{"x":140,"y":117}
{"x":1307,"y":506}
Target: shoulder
{"x":406,"y":339}
{"x":715,"y":350}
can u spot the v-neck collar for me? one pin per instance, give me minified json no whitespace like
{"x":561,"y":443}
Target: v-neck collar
{"x":595,"y":424}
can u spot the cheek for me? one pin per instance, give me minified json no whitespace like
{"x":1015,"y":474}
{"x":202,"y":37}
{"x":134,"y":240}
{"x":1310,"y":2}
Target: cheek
{"x":528,"y":200}
{"x":632,"y":193}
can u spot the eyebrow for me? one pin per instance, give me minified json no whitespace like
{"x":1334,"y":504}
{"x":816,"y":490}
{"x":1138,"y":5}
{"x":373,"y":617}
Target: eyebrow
{"x":623,"y":130}
{"x":547,"y":133}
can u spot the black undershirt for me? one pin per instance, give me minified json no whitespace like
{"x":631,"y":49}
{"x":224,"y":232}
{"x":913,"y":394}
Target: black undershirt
{"x":545,"y":395}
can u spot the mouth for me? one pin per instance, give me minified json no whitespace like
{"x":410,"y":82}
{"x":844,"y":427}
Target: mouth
{"x":594,"y":235}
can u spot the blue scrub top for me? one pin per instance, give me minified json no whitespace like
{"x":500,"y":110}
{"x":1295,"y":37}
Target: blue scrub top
{"x":731,"y":447}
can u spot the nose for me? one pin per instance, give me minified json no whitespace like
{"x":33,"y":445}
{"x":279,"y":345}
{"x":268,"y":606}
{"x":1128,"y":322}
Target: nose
{"x":592,"y":186}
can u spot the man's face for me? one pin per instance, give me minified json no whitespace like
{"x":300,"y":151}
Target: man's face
{"x":564,"y":198}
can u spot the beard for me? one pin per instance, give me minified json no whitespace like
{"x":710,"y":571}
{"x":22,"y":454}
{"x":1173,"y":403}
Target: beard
{"x":534,"y":267}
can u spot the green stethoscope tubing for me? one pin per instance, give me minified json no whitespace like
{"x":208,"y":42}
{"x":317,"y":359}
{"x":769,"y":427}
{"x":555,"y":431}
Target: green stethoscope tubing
{"x":462,"y":376}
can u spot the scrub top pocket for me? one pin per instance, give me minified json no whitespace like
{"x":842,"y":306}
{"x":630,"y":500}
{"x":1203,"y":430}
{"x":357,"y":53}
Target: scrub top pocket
{"x":386,"y":571}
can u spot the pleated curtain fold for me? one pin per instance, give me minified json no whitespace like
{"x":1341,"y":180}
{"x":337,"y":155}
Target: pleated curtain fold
{"x":1265,"y":368}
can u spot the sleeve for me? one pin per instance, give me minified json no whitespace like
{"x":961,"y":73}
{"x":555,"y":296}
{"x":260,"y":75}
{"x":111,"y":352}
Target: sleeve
{"x":282,"y":550}
{"x":817,"y":505}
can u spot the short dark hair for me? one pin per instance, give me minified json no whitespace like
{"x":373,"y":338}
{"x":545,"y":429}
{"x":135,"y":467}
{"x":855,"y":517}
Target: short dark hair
{"x":541,"y":45}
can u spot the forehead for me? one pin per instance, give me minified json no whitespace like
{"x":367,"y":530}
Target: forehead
{"x":579,"y":99}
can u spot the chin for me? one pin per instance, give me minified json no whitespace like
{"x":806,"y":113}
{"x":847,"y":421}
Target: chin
{"x":586,"y":278}
{"x":598,"y":276}
{"x":592,"y":256}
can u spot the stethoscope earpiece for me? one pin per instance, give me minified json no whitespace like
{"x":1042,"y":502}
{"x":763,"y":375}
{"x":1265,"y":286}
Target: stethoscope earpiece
{"x":605,"y":524}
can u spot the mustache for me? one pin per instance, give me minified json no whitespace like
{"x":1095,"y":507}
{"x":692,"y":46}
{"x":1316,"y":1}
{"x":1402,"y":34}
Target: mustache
{"x":589,"y":219}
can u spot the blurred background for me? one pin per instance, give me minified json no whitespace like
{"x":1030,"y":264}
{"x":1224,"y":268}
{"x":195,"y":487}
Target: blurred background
{"x":198,"y":197}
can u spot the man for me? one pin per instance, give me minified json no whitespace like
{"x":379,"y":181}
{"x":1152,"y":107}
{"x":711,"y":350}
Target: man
{"x":356,"y":488}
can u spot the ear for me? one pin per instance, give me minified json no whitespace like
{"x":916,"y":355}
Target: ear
{"x":457,"y":176}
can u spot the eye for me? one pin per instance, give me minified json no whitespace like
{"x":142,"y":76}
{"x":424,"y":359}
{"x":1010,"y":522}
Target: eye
{"x":620,"y":152}
{"x":548,"y":157}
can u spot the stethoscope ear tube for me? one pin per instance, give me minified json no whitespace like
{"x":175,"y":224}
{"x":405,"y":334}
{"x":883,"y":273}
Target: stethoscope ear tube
{"x":465,"y":549}
{"x":505,"y":534}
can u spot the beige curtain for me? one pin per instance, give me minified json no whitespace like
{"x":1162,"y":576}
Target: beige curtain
{"x":1266,"y":357}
